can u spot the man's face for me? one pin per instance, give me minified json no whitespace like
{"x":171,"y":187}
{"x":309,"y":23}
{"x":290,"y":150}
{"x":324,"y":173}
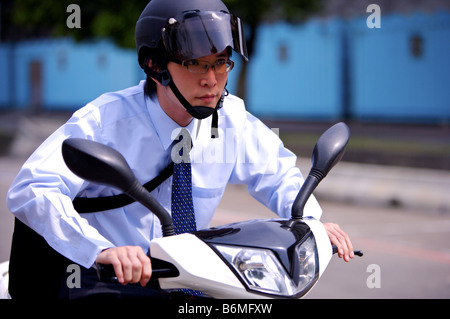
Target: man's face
{"x":198,"y":89}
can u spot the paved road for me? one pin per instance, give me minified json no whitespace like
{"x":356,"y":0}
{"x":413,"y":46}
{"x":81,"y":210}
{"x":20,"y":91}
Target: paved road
{"x":411,"y":251}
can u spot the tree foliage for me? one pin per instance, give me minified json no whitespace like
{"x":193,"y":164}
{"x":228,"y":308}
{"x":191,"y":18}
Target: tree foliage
{"x":99,"y":19}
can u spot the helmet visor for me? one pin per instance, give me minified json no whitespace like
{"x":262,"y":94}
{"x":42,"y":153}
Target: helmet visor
{"x":197,"y":34}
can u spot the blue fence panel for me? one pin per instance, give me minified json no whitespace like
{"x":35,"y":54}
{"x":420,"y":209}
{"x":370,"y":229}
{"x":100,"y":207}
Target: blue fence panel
{"x":81,"y":73}
{"x":5,"y":90}
{"x":72,"y":74}
{"x":402,"y":70}
{"x":295,"y":71}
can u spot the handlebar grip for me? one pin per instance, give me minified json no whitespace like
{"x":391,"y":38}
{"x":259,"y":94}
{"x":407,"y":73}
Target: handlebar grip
{"x":106,"y":273}
{"x":358,"y":253}
{"x":160,"y":269}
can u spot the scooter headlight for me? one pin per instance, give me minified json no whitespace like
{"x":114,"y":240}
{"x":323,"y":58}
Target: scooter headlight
{"x":259,"y":268}
{"x":262,"y":271}
{"x":308,"y":265}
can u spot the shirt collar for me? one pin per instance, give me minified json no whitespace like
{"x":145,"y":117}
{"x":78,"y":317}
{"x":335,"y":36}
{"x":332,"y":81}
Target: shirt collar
{"x":164,"y":125}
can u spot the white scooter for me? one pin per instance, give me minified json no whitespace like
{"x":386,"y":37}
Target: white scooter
{"x":274,"y":258}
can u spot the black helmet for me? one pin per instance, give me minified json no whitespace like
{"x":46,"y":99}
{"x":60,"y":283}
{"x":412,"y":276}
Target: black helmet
{"x":190,"y":28}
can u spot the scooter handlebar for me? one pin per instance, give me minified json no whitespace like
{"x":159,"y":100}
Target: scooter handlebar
{"x":160,"y":269}
{"x":358,"y":253}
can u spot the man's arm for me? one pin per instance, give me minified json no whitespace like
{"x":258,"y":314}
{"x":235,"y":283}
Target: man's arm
{"x":41,"y":197}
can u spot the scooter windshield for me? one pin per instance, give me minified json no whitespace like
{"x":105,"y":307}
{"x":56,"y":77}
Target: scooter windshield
{"x":197,"y":34}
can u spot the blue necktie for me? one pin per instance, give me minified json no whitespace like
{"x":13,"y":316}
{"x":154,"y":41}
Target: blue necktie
{"x":182,"y":204}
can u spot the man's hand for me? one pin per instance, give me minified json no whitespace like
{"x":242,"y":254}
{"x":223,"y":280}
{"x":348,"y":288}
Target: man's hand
{"x":341,"y":240}
{"x":130,"y":263}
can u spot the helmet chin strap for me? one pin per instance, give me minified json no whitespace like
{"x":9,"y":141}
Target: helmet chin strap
{"x":199,"y":112}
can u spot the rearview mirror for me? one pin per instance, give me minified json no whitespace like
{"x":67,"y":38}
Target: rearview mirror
{"x":328,"y":151}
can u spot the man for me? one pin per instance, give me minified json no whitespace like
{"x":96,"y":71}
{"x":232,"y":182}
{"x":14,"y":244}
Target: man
{"x":185,"y":49}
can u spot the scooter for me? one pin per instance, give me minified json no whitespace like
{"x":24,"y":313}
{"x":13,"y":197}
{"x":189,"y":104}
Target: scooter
{"x":263,"y":258}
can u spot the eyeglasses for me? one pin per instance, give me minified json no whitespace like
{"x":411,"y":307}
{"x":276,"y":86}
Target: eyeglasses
{"x":201,"y":67}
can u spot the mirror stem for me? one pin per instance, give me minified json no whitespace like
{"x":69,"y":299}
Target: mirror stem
{"x":308,"y":187}
{"x":140,"y":194}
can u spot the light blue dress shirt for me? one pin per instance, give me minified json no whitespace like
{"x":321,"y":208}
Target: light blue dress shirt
{"x":246,"y":152}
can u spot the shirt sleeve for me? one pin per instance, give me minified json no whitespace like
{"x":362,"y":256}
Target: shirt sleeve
{"x":41,"y":196}
{"x":269,"y":169}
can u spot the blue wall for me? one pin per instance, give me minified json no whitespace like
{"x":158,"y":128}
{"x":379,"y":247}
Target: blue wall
{"x":389,"y":81}
{"x":386,"y":81}
{"x":5,"y":90}
{"x":297,"y":71}
{"x":72,"y":74}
